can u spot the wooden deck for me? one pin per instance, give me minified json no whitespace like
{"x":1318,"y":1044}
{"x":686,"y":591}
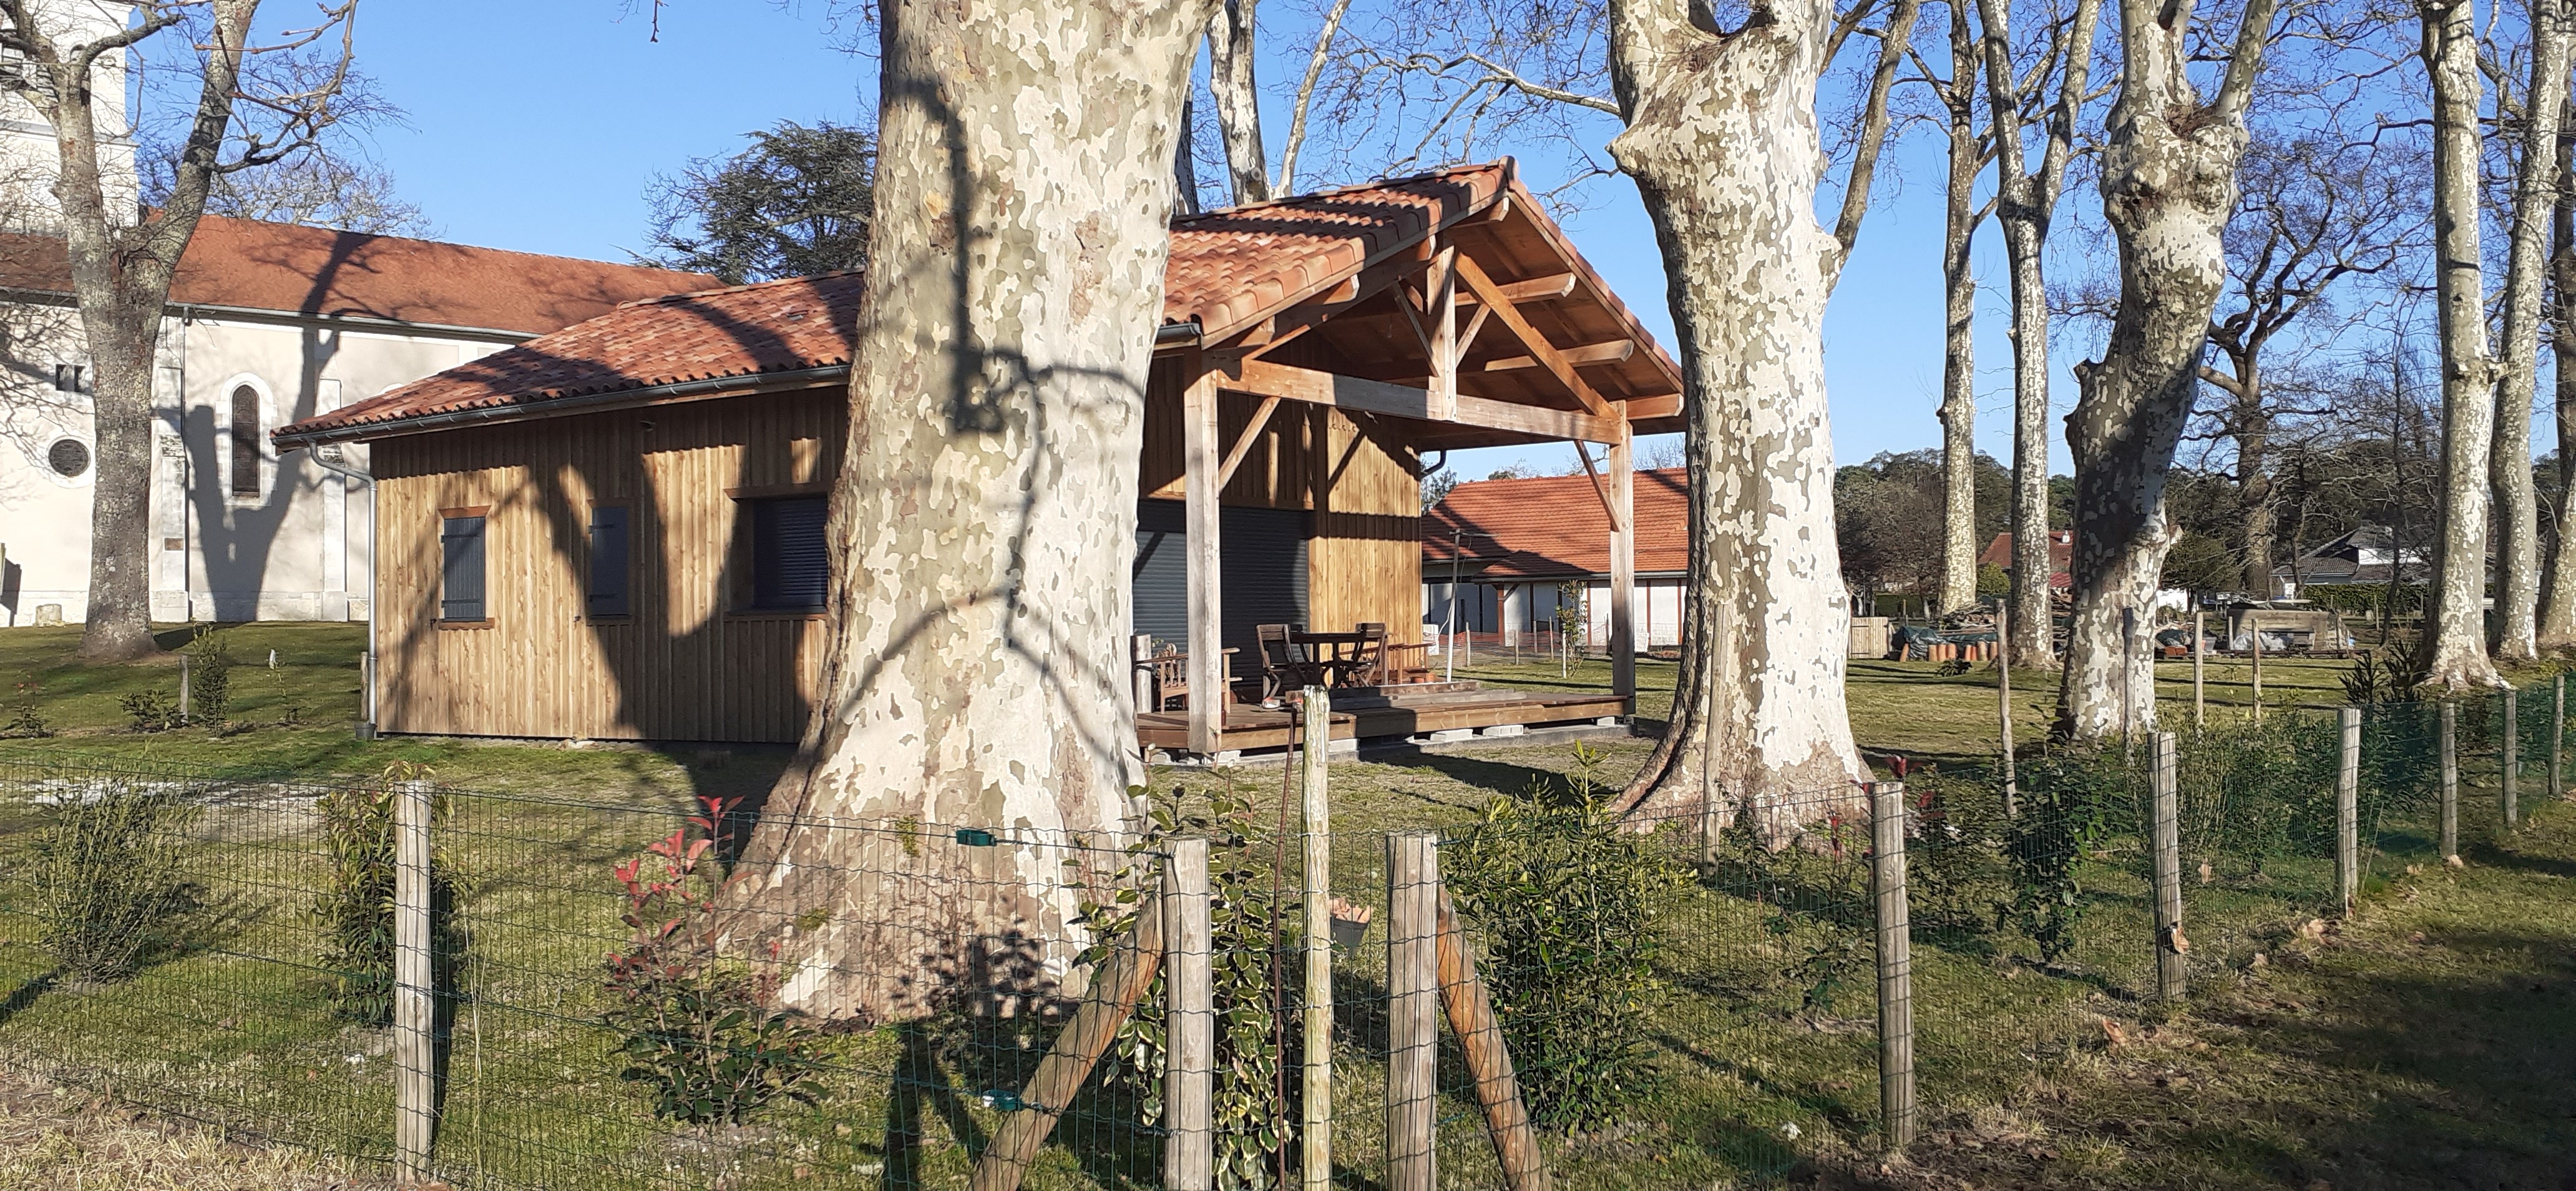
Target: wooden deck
{"x":1391,"y":712}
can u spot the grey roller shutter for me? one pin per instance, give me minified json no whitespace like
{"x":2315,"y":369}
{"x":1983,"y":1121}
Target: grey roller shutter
{"x":1264,"y":561}
{"x":460,"y":542}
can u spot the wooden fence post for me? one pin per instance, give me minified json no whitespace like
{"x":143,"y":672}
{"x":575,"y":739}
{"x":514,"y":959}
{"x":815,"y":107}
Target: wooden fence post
{"x":2197,"y":637}
{"x":2450,"y":780}
{"x":1189,"y":1069}
{"x":1116,"y":985}
{"x":1895,"y":963}
{"x":2164,"y":836}
{"x":1140,"y":676}
{"x":2254,"y":630}
{"x":2512,"y":759}
{"x":184,"y":691}
{"x":1489,"y":1059}
{"x":415,"y":1088}
{"x":1316,"y":1135}
{"x":1413,"y":1009}
{"x":2348,"y":809}
{"x":2558,"y":736}
{"x":2003,"y":708}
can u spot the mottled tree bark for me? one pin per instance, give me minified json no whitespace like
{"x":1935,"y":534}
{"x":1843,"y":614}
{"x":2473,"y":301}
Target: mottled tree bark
{"x":1231,"y":81}
{"x":2250,"y":425}
{"x":984,"y":522}
{"x":2517,"y":587}
{"x":2557,"y":631}
{"x":2025,"y":206}
{"x":2168,"y":186}
{"x":2453,"y":653}
{"x":120,"y":271}
{"x":1721,"y":139}
{"x":1959,"y":320}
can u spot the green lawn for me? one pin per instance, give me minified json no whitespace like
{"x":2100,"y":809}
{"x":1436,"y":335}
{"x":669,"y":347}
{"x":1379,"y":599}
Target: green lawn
{"x":2426,"y":1040}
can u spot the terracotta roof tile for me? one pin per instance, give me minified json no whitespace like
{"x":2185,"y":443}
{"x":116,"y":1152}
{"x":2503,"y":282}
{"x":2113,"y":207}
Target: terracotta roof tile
{"x":1239,"y":264}
{"x":289,"y":269}
{"x":1553,"y":527}
{"x":2061,"y":553}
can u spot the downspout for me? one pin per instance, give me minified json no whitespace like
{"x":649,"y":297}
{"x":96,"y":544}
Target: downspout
{"x":375,"y":542}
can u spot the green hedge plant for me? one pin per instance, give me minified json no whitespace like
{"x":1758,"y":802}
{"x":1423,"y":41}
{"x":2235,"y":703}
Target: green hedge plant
{"x":110,"y":879}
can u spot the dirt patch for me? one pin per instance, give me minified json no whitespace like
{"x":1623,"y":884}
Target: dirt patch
{"x":61,"y":1139}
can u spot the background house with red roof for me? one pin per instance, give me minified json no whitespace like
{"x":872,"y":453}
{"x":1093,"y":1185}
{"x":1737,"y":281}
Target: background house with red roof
{"x":267,"y":323}
{"x":1513,"y":546}
{"x":2061,"y":554}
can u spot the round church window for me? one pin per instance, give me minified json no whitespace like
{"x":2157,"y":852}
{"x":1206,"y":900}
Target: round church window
{"x":69,"y":457}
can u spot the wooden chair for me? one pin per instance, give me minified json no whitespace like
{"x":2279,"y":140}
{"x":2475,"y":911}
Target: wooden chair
{"x":1368,"y":662}
{"x":1284,"y":666}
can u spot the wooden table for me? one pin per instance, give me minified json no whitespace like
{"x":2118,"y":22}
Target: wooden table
{"x":1338,"y":653}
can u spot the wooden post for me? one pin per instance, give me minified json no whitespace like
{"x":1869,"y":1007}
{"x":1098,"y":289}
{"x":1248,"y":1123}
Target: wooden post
{"x":1316,"y":1136}
{"x":1413,"y":1009}
{"x":1116,"y":985}
{"x":1895,"y":963}
{"x":2254,"y":632}
{"x":1623,"y":564}
{"x":1189,"y":1068}
{"x":183,"y":688}
{"x":2164,"y":836}
{"x":2450,"y":780}
{"x":2003,"y":707}
{"x":2512,"y":760}
{"x":1489,"y":1059}
{"x":2348,"y":810}
{"x":2557,"y":736}
{"x":2198,"y":636}
{"x":1140,"y":650}
{"x":415,"y":1089}
{"x":1200,"y":457}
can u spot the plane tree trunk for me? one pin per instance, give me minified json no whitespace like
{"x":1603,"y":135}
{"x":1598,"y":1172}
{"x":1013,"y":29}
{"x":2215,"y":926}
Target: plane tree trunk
{"x":1721,"y":140}
{"x":2517,"y":594}
{"x":2168,"y":179}
{"x":2557,"y":631}
{"x":984,"y":522}
{"x":1959,"y":321}
{"x":2454,"y":655}
{"x":1232,"y":83}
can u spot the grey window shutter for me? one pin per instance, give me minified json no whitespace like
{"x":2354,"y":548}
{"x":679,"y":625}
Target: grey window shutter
{"x":461,"y":545}
{"x":609,"y":554}
{"x":790,"y":567}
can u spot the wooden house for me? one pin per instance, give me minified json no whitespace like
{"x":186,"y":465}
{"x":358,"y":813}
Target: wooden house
{"x":614,"y":531}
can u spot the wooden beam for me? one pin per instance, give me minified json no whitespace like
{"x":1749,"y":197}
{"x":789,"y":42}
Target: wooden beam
{"x":1443,"y":310}
{"x":1599,"y":487}
{"x":1589,"y":353}
{"x":1533,"y":290}
{"x":1641,"y":408}
{"x":1205,"y":575}
{"x":1623,"y":565}
{"x":1307,"y":315}
{"x":1547,"y":354}
{"x":1234,"y":457}
{"x":1262,"y":378}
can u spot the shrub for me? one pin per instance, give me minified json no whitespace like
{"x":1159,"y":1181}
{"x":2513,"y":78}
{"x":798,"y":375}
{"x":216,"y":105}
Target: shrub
{"x":108,"y":878}
{"x":25,"y":718}
{"x":1570,"y":905}
{"x":355,"y":909}
{"x":151,"y":711}
{"x":1255,"y":939}
{"x":2073,"y":800}
{"x":210,"y":676}
{"x":703,"y":1033}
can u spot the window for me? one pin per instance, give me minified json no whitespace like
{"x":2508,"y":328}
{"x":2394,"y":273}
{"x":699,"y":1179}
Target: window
{"x":460,"y":544}
{"x":790,"y":569}
{"x":245,"y":441}
{"x":72,"y":378}
{"x":608,"y":562}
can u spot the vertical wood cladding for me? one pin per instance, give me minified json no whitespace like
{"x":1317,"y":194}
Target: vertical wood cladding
{"x":690,"y":662}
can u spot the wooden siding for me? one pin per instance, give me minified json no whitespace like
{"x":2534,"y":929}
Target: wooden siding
{"x":1365,"y":561}
{"x":687,"y":665}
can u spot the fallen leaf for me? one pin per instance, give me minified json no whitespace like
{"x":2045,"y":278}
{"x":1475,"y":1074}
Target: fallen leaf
{"x":2260,"y":961}
{"x":2204,"y":872}
{"x":2111,"y":1030}
{"x":2416,"y":938}
{"x":2454,"y":861}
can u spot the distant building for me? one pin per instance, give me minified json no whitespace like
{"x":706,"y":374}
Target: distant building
{"x":1511,"y":545}
{"x":2368,"y":555}
{"x":2061,"y":553}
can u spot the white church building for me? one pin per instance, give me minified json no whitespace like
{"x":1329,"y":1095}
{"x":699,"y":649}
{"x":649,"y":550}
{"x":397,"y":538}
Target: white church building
{"x":267,"y":323}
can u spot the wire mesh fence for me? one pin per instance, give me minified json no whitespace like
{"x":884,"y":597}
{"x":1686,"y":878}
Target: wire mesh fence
{"x":1689,"y":997}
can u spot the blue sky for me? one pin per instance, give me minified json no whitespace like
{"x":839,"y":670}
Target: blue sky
{"x":538,"y":126}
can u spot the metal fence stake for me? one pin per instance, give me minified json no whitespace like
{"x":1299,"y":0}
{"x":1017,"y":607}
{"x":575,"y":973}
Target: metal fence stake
{"x":2512,"y":763}
{"x":1895,"y":963}
{"x":1413,"y":1009}
{"x":2348,"y":806}
{"x":2164,"y":832}
{"x":1190,"y":1053}
{"x":415,"y":1087}
{"x":1316,"y":1136}
{"x":2450,"y":780}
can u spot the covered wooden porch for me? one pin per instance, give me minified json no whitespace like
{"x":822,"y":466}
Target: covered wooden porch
{"x":1426,"y":315}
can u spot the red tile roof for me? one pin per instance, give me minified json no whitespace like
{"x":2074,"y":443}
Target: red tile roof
{"x":1225,"y":270}
{"x":2061,"y":553}
{"x":1553,"y":527}
{"x":287,"y":269}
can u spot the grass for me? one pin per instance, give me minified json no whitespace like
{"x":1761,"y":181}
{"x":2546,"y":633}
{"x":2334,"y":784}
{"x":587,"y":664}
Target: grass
{"x":2426,"y":1039}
